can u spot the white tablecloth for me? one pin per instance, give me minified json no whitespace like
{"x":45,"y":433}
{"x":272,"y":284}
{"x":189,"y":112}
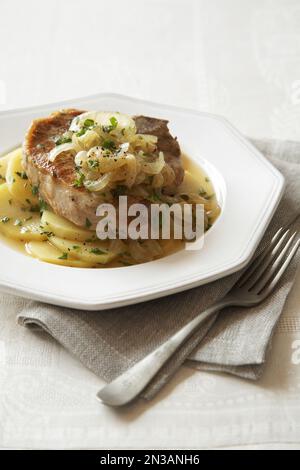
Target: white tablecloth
{"x":239,"y":58}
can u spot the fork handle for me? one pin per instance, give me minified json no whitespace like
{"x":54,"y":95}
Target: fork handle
{"x":130,"y":384}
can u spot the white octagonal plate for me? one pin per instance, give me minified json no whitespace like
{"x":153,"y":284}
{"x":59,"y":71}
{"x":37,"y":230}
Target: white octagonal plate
{"x":248,"y":188}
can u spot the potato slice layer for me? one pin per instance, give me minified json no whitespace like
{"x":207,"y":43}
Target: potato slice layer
{"x":63,"y":228}
{"x":17,"y":182}
{"x":22,"y":230}
{"x":3,"y":168}
{"x":91,"y":252}
{"x":16,"y":222}
{"x":44,"y":251}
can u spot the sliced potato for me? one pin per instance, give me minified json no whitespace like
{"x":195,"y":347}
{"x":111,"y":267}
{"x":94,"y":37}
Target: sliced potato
{"x":96,"y":252}
{"x":22,"y":229}
{"x":44,"y":251}
{"x":62,"y":228}
{"x":17,"y":182}
{"x":9,"y":206}
{"x":3,"y":168}
{"x":15,"y":221}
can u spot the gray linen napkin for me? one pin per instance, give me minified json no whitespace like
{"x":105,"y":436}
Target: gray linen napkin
{"x":235,"y":341}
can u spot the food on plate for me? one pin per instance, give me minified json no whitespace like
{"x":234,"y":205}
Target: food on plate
{"x":71,"y":162}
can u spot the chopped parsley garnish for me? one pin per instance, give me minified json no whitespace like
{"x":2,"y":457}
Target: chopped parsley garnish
{"x":63,"y":256}
{"x":5,"y":219}
{"x":154,"y":197}
{"x":202,"y":192}
{"x":93,"y":164}
{"x":97,"y":251}
{"x":89,"y":123}
{"x":75,"y":247}
{"x":81,"y":132}
{"x":108,"y":144}
{"x":35,"y":190}
{"x":113,"y":124}
{"x":78,"y":183}
{"x":42,"y":205}
{"x":88,"y":223}
{"x":113,"y":121}
{"x":62,"y":140}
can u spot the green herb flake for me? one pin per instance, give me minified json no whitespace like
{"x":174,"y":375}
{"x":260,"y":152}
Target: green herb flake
{"x":62,"y":140}
{"x":42,"y":205}
{"x":81,"y":132}
{"x":97,"y":251}
{"x":154,"y":197}
{"x":93,"y":164}
{"x":78,"y":183}
{"x":108,"y":144}
{"x":89,"y":123}
{"x":35,"y":190}
{"x":63,"y":256}
{"x":114,"y":122}
{"x":88,"y":223}
{"x":202,"y":192}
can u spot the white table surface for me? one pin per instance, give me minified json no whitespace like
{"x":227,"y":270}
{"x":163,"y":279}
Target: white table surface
{"x":238,"y":58}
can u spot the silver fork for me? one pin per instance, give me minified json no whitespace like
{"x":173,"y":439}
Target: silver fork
{"x":257,"y":282}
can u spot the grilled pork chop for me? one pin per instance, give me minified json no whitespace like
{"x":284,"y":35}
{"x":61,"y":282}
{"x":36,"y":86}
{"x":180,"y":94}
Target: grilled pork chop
{"x":55,"y":180}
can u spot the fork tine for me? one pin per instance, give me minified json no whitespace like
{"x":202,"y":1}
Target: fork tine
{"x":273,"y":267}
{"x":281,"y":271}
{"x":268,"y":260}
{"x":260,"y":258}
